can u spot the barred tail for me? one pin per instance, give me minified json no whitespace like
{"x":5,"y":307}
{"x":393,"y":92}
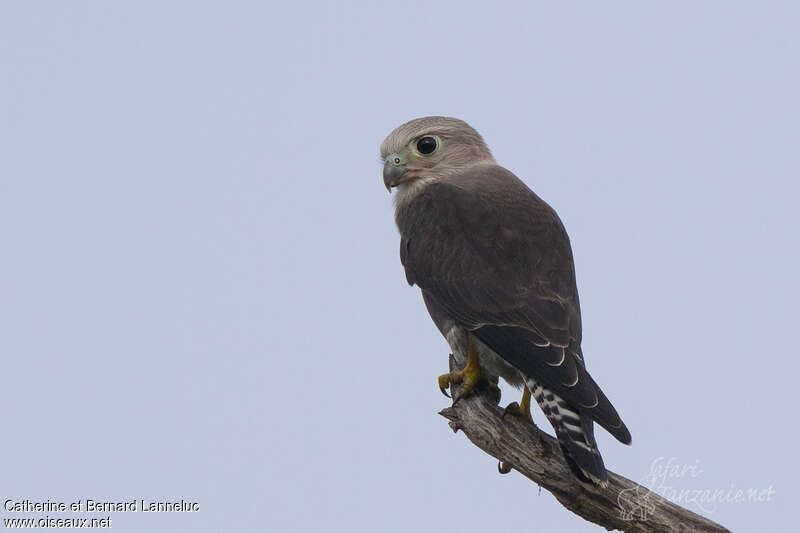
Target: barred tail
{"x":575,"y":434}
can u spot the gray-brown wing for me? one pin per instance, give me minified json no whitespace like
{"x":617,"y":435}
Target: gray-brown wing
{"x":497,"y":259}
{"x":493,"y":253}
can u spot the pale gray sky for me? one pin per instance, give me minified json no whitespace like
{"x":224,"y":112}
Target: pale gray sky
{"x":201,"y":290}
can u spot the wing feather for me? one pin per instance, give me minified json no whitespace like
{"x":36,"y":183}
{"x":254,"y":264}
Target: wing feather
{"x":497,"y":259}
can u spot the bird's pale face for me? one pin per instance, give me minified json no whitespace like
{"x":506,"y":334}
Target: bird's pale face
{"x":422,"y":153}
{"x":430,"y":147}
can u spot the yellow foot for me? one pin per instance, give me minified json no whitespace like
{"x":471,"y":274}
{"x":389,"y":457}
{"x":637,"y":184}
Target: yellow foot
{"x":469,"y":378}
{"x":521,"y":409}
{"x":469,"y":384}
{"x":444,"y":383}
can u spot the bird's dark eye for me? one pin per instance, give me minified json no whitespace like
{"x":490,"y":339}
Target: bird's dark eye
{"x":426,"y":145}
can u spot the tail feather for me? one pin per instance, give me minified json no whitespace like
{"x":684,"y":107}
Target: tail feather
{"x":575,"y":433}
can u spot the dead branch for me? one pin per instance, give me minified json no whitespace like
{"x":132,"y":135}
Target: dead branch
{"x":623,"y":505}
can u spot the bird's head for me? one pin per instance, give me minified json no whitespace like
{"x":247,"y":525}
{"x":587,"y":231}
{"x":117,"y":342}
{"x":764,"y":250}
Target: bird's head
{"x":427,"y":148}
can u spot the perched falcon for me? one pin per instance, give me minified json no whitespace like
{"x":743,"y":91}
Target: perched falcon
{"x":495,"y":268}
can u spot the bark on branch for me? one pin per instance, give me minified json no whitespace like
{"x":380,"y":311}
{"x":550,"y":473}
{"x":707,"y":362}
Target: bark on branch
{"x":623,"y":505}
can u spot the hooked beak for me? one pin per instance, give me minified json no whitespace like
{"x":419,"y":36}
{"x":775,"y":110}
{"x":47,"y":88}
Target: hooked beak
{"x":393,"y":175}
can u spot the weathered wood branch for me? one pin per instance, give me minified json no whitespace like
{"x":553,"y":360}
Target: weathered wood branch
{"x":623,"y":505}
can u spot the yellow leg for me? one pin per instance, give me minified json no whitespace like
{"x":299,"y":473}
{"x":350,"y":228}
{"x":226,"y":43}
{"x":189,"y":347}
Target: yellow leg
{"x":468,"y":377}
{"x":525,"y":405}
{"x":522,"y":410}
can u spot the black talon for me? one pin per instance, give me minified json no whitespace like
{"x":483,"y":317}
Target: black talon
{"x":510,"y":407}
